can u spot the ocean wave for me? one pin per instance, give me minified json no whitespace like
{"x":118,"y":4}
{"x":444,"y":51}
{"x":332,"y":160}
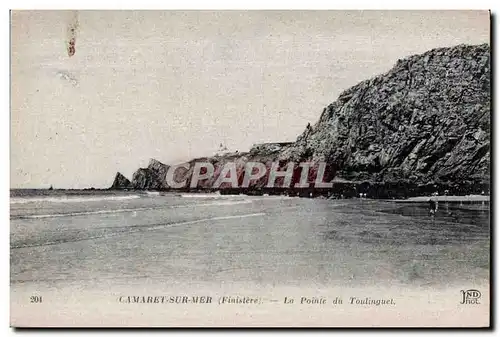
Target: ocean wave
{"x":232,"y":196}
{"x":106,"y":233}
{"x":207,"y":195}
{"x":127,"y":210}
{"x":149,"y":193}
{"x":70,"y":199}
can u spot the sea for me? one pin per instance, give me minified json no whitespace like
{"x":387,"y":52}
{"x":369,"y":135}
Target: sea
{"x":64,"y":244}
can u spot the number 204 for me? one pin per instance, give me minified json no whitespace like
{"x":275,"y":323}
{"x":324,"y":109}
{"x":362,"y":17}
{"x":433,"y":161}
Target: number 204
{"x":35,"y":299}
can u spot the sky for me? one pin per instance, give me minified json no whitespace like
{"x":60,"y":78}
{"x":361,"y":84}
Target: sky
{"x":173,"y":85}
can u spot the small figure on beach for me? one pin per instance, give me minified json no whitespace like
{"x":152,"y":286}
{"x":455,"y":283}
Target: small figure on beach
{"x":433,"y":204}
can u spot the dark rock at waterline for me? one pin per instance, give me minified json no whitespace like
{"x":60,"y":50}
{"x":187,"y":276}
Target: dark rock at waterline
{"x":426,"y":122}
{"x":120,"y":182}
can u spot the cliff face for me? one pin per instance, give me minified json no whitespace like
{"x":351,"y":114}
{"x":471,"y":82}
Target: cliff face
{"x":265,"y":156}
{"x":427,"y":120}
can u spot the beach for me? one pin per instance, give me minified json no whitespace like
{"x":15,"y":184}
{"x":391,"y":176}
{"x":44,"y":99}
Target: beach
{"x":82,"y":253}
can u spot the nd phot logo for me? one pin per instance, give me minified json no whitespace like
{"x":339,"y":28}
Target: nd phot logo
{"x":470,"y":296}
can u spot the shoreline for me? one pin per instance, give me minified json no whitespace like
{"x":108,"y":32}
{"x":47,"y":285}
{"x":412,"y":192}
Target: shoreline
{"x":29,"y":193}
{"x":473,"y":198}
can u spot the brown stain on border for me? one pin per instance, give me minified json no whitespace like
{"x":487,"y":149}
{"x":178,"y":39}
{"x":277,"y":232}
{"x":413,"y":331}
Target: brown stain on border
{"x":72,"y":33}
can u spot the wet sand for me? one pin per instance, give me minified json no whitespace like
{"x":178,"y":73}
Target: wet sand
{"x":82,"y":260}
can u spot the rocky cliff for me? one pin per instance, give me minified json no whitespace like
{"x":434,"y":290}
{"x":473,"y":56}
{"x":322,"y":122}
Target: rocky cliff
{"x":426,"y":121}
{"x":120,"y":182}
{"x":152,"y":177}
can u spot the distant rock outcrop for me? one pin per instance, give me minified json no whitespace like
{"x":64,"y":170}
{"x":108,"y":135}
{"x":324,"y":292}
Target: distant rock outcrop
{"x":120,"y":182}
{"x":425,"y":122}
{"x":152,"y":177}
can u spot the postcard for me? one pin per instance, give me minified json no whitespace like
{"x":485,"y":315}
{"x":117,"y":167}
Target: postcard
{"x":284,"y":168}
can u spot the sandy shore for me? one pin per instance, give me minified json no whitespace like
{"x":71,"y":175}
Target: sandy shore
{"x":449,"y":198}
{"x":83,"y":265}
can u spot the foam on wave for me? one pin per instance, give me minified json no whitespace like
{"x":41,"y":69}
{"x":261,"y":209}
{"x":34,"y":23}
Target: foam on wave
{"x":70,"y":199}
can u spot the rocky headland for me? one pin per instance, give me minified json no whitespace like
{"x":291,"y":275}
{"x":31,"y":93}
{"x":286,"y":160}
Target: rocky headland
{"x":423,"y":126}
